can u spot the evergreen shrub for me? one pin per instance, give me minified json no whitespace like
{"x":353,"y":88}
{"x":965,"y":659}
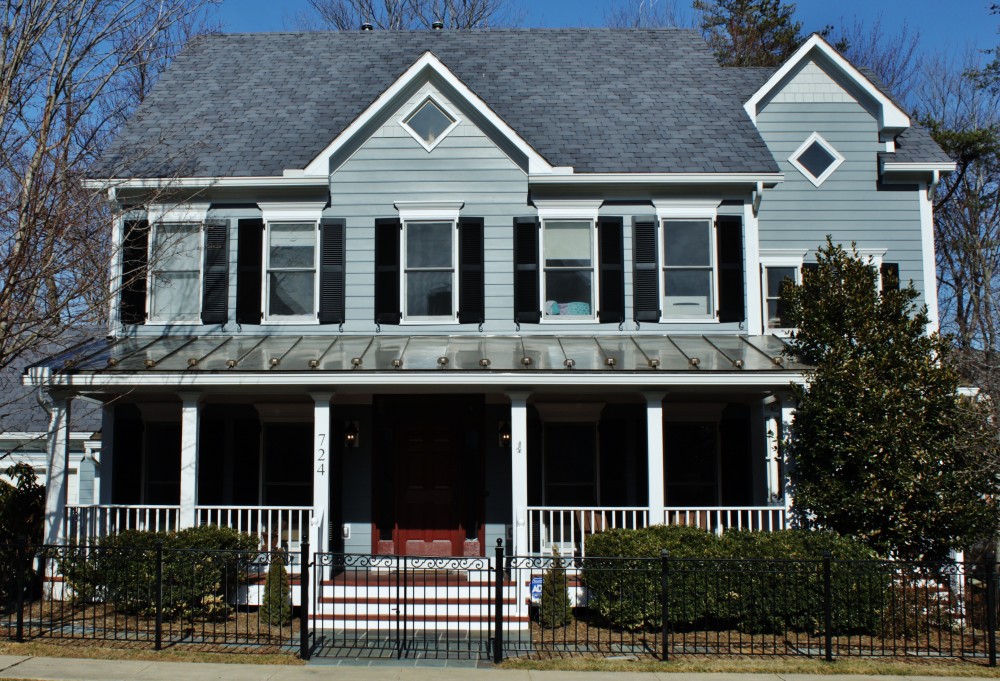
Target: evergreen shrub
{"x":554,"y":608}
{"x":276,"y":607}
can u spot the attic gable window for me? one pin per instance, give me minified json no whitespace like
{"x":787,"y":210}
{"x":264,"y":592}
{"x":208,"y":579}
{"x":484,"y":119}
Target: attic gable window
{"x":429,"y":123}
{"x":816,"y":159}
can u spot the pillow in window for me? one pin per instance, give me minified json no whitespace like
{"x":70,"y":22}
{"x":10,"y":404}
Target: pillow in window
{"x":575,"y":308}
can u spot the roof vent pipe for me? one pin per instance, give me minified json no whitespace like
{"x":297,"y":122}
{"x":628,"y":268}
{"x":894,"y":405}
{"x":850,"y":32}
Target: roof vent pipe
{"x":437,"y":25}
{"x":367,"y":27}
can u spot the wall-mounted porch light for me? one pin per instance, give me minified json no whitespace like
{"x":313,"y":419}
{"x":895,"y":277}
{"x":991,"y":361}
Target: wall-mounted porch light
{"x":351,"y":435}
{"x":503,"y":434}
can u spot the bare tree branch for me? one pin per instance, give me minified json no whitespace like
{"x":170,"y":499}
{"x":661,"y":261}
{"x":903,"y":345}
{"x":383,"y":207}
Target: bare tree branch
{"x":391,"y":15}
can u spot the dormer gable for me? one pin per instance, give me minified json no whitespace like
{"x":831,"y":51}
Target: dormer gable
{"x":819,"y":64}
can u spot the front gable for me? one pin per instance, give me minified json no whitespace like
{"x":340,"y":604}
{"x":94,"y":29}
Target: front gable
{"x":428,"y":76}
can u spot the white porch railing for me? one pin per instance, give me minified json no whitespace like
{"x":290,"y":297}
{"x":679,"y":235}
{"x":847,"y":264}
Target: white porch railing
{"x":276,"y":526}
{"x":566,"y":529}
{"x":718,"y":519}
{"x":84,"y":524}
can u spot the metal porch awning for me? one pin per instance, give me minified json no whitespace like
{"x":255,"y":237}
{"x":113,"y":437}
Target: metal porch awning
{"x":443,"y":356}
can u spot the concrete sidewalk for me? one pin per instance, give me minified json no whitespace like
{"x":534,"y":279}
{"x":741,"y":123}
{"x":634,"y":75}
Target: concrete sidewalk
{"x":70,"y":669}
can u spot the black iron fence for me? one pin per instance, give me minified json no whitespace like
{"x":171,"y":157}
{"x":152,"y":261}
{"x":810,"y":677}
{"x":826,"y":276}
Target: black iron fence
{"x":333,"y":604}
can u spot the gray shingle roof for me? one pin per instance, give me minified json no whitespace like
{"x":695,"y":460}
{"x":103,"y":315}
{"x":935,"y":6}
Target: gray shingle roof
{"x":595,"y":99}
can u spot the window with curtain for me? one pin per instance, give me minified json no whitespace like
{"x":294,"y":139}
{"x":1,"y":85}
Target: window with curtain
{"x":568,"y":261}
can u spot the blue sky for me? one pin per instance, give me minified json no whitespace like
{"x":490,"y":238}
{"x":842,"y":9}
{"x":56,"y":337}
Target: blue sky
{"x":949,"y":25}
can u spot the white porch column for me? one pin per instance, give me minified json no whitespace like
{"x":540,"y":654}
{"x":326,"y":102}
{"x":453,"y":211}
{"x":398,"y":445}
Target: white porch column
{"x":319,"y":533}
{"x":772,"y":457}
{"x":519,"y":470}
{"x":190,"y":425}
{"x":105,"y":468}
{"x":657,"y":495}
{"x":787,"y":416}
{"x":58,"y":465}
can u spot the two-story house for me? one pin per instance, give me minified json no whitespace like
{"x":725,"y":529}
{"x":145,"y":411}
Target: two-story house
{"x":412,"y":292}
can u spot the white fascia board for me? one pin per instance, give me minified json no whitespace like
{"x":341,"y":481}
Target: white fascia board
{"x":568,"y":379}
{"x":204,"y":182}
{"x":769,"y":179}
{"x":319,"y":166}
{"x":892,"y":166}
{"x":890,"y":115}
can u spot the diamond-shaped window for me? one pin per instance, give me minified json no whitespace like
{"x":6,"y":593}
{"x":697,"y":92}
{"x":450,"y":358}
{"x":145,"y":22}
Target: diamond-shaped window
{"x":429,"y":123}
{"x":816,"y":159}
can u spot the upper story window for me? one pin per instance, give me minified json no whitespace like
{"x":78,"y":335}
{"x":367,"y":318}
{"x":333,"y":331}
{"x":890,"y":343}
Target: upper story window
{"x":429,"y":257}
{"x":291,"y":271}
{"x":816,"y":159}
{"x":688,"y":269}
{"x":775,"y":277}
{"x":568,"y":282}
{"x":175,"y":268}
{"x":429,"y":123}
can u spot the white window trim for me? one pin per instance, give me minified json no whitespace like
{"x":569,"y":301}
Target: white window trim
{"x":428,"y":216}
{"x":595,"y":269}
{"x":285,"y":213}
{"x":778,"y":258}
{"x":151,"y":267}
{"x":429,"y":97}
{"x":874,"y":257}
{"x":706,"y":208}
{"x":838,"y":159}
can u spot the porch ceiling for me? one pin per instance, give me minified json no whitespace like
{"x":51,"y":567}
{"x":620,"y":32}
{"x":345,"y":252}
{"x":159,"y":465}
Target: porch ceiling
{"x":414,"y":360}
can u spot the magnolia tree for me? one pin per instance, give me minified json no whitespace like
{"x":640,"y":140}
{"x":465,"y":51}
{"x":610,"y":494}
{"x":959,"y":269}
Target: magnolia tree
{"x":885,"y":448}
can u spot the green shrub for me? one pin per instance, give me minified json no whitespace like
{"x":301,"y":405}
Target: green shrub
{"x":715,"y":581}
{"x":203,"y":568}
{"x":554,"y":605}
{"x":22,"y":510}
{"x":276,"y":607}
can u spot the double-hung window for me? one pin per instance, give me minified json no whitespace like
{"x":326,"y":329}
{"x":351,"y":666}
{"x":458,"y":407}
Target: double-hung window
{"x":775,"y":277}
{"x":430,"y":251}
{"x":689,"y":280}
{"x":290,"y":256}
{"x":175,"y":265}
{"x":569,"y":284}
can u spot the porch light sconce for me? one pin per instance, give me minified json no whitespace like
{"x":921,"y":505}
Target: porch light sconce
{"x":150,"y":363}
{"x":569,"y":363}
{"x":503,"y":434}
{"x":694,"y":361}
{"x":397,"y":363}
{"x":442,"y":362}
{"x":351,"y":436}
{"x":192,"y":361}
{"x":654,"y":363}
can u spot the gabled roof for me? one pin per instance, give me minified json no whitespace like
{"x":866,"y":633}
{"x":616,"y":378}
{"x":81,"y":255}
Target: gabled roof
{"x":596,"y":100}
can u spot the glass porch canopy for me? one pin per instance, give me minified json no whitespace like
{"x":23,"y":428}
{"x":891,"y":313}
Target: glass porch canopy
{"x":406,"y":354}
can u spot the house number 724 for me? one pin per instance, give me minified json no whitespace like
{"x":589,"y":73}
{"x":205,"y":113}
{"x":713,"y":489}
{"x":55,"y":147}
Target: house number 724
{"x":321,"y":455}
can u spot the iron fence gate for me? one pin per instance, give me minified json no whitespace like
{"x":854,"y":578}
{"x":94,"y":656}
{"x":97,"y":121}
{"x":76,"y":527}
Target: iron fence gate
{"x":491,"y":608}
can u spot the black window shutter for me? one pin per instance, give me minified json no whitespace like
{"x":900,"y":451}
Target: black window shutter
{"x":645,"y":277}
{"x":611,"y":258}
{"x":387,"y":307}
{"x":471,"y":277}
{"x":331,"y":272}
{"x":215,"y":279}
{"x":135,"y":259}
{"x":729,"y":244}
{"x":890,"y":276}
{"x":526,"y":282}
{"x":249,"y":256}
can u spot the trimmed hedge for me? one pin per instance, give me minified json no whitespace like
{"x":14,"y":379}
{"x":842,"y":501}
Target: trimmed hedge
{"x":203,"y":568}
{"x":758,"y":582}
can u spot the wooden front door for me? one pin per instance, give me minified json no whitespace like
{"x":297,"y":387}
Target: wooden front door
{"x":436,"y":477}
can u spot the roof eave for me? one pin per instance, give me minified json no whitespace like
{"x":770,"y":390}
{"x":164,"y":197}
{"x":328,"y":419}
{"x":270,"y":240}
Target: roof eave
{"x":749,"y":179}
{"x":286,"y":181}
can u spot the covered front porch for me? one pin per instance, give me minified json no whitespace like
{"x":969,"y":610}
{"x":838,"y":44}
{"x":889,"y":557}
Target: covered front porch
{"x":439,"y":462}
